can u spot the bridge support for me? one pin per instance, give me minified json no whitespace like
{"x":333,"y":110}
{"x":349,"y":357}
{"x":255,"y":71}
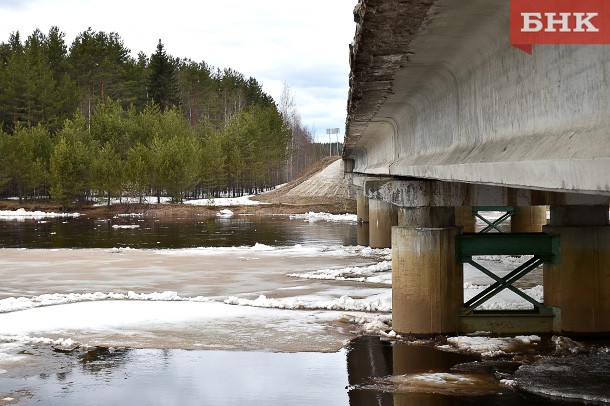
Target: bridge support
{"x":528,"y":219}
{"x":382,"y":217}
{"x":362,"y":208}
{"x":362,"y":214}
{"x":579,"y":285}
{"x":465,"y":219}
{"x":427,"y":282}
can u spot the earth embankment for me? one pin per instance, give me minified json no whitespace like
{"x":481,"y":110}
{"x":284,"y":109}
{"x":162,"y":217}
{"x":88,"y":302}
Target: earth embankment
{"x":322,"y":184}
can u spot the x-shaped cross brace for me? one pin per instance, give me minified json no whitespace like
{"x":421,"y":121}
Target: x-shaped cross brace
{"x":503,"y":283}
{"x":493,"y":225}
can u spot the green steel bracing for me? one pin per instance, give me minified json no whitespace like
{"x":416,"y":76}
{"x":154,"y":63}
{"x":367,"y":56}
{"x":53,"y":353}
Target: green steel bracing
{"x":493,"y":225}
{"x":543,"y":247}
{"x":503,"y":283}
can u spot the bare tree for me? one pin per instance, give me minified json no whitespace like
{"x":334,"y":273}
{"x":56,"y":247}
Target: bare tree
{"x":302,"y":150}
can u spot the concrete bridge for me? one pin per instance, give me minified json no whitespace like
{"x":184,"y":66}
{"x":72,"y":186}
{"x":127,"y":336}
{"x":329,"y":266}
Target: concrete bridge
{"x":445,"y":118}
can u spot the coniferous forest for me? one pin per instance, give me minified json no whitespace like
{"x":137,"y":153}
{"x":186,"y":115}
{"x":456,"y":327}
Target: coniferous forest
{"x":89,"y":120}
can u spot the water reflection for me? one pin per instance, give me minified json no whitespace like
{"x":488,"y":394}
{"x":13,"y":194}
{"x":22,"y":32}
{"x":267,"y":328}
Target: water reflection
{"x":180,"y":377}
{"x":146,"y":232}
{"x":399,"y":374}
{"x":369,"y":372}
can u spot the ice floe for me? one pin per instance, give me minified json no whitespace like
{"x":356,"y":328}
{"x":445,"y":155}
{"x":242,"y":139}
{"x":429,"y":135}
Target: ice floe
{"x":377,"y":273}
{"x":490,"y":347}
{"x":378,"y":303}
{"x":313,"y":217}
{"x":125,"y":226}
{"x":22,"y":214}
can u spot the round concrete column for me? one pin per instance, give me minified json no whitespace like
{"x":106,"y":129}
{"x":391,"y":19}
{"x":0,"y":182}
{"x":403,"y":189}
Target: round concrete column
{"x":362,"y":234}
{"x":382,"y":217}
{"x":427,"y":282}
{"x":579,"y":285}
{"x":362,"y":208}
{"x":528,"y":219}
{"x":465,"y":219}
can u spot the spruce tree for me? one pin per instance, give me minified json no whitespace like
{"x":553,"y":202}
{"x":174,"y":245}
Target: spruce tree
{"x":162,"y":82}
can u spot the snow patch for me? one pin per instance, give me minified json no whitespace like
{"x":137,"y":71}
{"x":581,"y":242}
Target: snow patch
{"x":225,"y":201}
{"x":369,"y":323}
{"x":379,"y":303}
{"x":125,"y":226}
{"x":489,"y":347}
{"x":22,"y":215}
{"x":225,"y":213}
{"x":376,"y":273}
{"x":297,"y":249}
{"x":505,"y":300}
{"x":12,"y":304}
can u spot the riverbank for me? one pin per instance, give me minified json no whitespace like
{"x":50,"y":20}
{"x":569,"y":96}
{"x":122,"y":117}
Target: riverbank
{"x":170,"y":210}
{"x":320,"y":188}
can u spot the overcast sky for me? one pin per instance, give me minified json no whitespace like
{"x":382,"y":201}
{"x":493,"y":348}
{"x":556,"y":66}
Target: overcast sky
{"x":303,"y":43}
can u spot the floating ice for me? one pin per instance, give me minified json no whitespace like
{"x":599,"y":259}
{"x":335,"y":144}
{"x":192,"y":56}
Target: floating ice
{"x":490,"y":347}
{"x":379,"y":303}
{"x":585,"y":377}
{"x":444,"y":383}
{"x":12,"y":304}
{"x":22,"y":214}
{"x":377,"y":273}
{"x":225,"y":213}
{"x":313,"y":217}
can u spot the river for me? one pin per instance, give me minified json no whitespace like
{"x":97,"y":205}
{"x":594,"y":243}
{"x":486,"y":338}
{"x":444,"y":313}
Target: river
{"x":230,"y":311}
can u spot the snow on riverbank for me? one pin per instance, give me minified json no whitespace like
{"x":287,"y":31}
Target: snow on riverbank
{"x":211,"y":202}
{"x":225,"y":201}
{"x":22,"y":215}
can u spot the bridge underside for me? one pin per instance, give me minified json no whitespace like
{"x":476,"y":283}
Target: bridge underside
{"x":437,"y":92}
{"x":445,"y":115}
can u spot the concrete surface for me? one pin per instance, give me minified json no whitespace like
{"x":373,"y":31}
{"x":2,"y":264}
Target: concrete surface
{"x":437,"y":92}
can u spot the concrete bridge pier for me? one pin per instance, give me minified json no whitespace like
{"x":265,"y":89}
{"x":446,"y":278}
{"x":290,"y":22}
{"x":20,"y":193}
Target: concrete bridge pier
{"x":528,"y":219}
{"x":382,"y":217}
{"x":579,"y":285}
{"x":362,"y":208}
{"x":427,"y":282}
{"x":465,"y":218}
{"x":362,"y":214}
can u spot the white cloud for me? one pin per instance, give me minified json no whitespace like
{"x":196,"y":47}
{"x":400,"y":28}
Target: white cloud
{"x":302,"y":42}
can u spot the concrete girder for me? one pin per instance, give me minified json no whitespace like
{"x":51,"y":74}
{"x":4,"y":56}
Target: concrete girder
{"x":464,"y":106}
{"x":431,"y":193}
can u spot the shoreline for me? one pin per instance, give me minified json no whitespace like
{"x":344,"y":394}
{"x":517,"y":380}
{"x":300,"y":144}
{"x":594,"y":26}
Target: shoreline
{"x":169,"y":210}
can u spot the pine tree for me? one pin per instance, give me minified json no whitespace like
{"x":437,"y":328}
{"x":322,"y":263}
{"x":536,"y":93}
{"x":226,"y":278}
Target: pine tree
{"x":162,"y":82}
